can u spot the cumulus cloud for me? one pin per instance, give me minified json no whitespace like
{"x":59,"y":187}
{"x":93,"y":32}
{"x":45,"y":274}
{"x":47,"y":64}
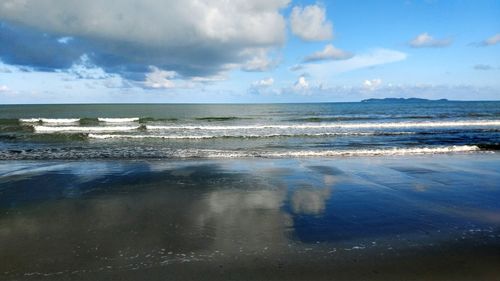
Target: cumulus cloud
{"x":268,"y":82}
{"x":372,"y":84}
{"x":329,"y":53}
{"x":424,"y":40}
{"x":159,"y":79}
{"x":193,"y":38}
{"x":310,"y":24}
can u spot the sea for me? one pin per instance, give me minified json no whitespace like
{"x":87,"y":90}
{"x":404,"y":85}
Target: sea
{"x":179,"y":131}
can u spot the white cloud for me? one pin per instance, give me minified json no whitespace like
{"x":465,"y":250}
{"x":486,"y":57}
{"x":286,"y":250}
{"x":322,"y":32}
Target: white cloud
{"x":329,"y":53}
{"x":493,"y":40}
{"x":374,"y":57}
{"x":158,"y":23}
{"x":309,"y":23}
{"x":372,"y":84}
{"x":268,"y":82}
{"x":159,"y":79}
{"x":425,"y":40}
{"x":4,"y":88}
{"x":191,"y":37}
{"x":301,"y":85}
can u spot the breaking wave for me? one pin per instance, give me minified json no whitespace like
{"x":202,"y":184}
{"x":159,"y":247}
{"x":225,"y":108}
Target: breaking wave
{"x":122,"y":136}
{"x":50,"y":120}
{"x":119,"y":120}
{"x":78,"y":129}
{"x":166,"y":153}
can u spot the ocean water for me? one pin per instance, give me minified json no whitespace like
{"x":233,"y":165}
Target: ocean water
{"x":168,"y":131}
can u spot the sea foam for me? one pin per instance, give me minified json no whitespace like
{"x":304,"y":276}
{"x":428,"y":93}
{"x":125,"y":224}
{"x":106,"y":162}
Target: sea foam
{"x":396,"y":151}
{"x":50,"y":120}
{"x":51,"y":129}
{"x":118,"y":120}
{"x":122,"y":136}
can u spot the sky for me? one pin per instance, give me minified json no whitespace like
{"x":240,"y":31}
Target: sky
{"x":239,"y":51}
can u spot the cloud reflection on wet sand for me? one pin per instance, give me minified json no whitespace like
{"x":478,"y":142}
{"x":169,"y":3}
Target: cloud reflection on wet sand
{"x":140,"y":216}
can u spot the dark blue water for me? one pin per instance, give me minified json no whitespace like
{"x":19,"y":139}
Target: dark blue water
{"x":227,"y":131}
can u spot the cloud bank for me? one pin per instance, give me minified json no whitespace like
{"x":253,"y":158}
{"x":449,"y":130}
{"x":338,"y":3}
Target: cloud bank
{"x":192,"y":38}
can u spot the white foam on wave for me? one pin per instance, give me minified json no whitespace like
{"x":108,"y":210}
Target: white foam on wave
{"x":377,"y":152}
{"x":51,"y":120}
{"x":108,"y":136}
{"x":52,"y":129}
{"x":119,"y":120}
{"x":29,"y":120}
{"x":121,"y":136}
{"x":60,"y":120}
{"x":336,"y":125}
{"x":166,"y":152}
{"x":334,"y":153}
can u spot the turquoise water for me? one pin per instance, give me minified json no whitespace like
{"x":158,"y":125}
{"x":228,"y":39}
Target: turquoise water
{"x":136,"y":131}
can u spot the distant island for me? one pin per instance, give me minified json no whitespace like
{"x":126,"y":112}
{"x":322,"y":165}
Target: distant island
{"x":405,"y":100}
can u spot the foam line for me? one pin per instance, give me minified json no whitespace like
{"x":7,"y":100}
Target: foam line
{"x":50,"y":120}
{"x":119,"y":120}
{"x":122,"y":136}
{"x":49,"y":129}
{"x":336,"y":125}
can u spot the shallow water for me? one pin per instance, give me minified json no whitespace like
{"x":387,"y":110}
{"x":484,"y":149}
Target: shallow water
{"x":399,"y":218}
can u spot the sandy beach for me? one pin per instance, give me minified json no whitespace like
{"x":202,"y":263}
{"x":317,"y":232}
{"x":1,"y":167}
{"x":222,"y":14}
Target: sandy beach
{"x":415,"y":217}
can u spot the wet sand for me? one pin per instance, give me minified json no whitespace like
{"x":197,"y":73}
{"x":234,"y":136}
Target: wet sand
{"x":375,"y":218}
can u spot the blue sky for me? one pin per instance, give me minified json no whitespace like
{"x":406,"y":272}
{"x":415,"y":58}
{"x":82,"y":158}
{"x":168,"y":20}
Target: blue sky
{"x":247,"y":51}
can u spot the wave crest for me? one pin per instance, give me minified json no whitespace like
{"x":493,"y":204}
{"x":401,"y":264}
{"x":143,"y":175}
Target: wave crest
{"x":119,"y":120}
{"x":48,"y":129}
